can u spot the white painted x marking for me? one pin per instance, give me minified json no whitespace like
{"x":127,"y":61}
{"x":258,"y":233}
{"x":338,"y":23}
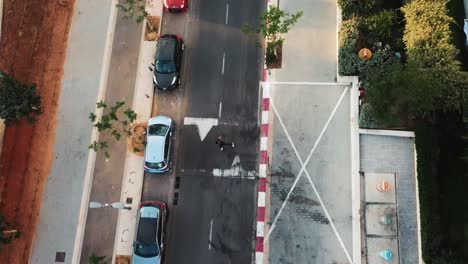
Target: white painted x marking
{"x":303,"y":169}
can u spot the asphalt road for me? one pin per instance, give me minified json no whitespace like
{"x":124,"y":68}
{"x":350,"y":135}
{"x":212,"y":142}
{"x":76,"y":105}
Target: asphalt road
{"x":212,"y":218}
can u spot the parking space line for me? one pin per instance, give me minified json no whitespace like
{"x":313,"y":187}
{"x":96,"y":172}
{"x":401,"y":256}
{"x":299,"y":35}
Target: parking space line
{"x":211,"y":233}
{"x":222,"y":69}
{"x":227,"y":13}
{"x":303,"y":169}
{"x":220,"y":109}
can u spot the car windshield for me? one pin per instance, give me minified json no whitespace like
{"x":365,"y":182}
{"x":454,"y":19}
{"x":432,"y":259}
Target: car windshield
{"x":163,"y":66}
{"x":155,"y":165}
{"x":158,"y":130}
{"x":146,"y":250}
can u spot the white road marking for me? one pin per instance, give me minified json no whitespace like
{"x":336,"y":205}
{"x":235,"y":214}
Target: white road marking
{"x":235,"y":171}
{"x":222,"y":69}
{"x":220,"y":109}
{"x":303,"y":164}
{"x":204,"y":125}
{"x":211,"y":233}
{"x":227,"y":13}
{"x":310,"y":83}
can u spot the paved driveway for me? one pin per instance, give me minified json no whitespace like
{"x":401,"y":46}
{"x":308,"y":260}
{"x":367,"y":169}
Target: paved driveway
{"x":310,"y":123}
{"x":309,"y":194}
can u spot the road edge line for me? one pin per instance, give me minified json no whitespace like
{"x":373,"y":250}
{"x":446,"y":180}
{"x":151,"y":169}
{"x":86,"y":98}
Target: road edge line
{"x":88,"y":180}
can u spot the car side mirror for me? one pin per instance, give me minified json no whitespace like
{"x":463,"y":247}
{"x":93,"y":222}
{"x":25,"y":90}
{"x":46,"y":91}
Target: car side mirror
{"x":150,"y":68}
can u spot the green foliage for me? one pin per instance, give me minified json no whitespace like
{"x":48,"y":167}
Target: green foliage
{"x":351,"y":8}
{"x":272,"y":25}
{"x":378,"y":64}
{"x":94,"y":259}
{"x":275,"y":22}
{"x":367,"y":118}
{"x":115,"y":121}
{"x":347,"y":54}
{"x":7,"y":234}
{"x":18,"y":100}
{"x":380,"y":27}
{"x":133,"y":9}
{"x":428,"y":40}
{"x":427,"y":32}
{"x":404,"y":91}
{"x":271,"y":56}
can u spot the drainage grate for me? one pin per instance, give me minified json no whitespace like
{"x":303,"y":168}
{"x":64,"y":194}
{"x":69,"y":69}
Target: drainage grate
{"x":176,"y":198}
{"x":60,"y":257}
{"x":177,"y":182}
{"x":129,"y":200}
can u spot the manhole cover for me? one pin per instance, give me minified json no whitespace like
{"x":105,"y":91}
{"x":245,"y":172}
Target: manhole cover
{"x":60,"y":256}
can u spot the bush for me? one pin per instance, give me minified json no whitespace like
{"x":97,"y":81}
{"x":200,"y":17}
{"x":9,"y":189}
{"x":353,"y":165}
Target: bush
{"x":427,"y":38}
{"x":351,"y":64}
{"x":383,"y":27}
{"x":18,"y":100}
{"x":352,"y":8}
{"x":378,"y":64}
{"x":347,"y":56}
{"x":367,"y":117}
{"x":405,"y":91}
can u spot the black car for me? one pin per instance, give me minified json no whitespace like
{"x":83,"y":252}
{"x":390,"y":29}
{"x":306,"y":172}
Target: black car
{"x":149,"y":239}
{"x":168,"y":62}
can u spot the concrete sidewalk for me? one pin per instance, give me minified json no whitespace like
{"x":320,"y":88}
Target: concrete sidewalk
{"x":59,"y":219}
{"x":132,"y":184}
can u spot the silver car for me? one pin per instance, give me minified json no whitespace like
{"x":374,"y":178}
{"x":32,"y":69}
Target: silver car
{"x":158,"y":144}
{"x":149,"y":239}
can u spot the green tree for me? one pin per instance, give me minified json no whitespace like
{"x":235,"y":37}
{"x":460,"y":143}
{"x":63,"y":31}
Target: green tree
{"x":134,"y":9}
{"x":405,"y":91}
{"x":272,"y":26}
{"x":95,"y":259}
{"x":115,"y":121}
{"x":7,"y":232}
{"x":18,"y":100}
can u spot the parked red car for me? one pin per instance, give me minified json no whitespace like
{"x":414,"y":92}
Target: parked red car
{"x":175,"y":5}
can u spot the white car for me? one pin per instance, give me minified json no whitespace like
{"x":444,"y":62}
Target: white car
{"x":158,"y":144}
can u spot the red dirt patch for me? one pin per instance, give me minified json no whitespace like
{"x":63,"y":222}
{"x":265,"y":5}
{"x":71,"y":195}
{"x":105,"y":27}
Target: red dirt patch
{"x":32,"y":49}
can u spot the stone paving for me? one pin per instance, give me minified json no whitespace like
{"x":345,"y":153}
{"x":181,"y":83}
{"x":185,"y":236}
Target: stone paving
{"x":386,"y":154}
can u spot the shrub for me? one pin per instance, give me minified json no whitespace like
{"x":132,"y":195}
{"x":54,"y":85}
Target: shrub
{"x":367,"y":117}
{"x":378,"y":64}
{"x":382,"y":27}
{"x":405,"y":91}
{"x":352,"y":8}
{"x":427,"y":38}
{"x":347,"y":56}
{"x":18,"y":100}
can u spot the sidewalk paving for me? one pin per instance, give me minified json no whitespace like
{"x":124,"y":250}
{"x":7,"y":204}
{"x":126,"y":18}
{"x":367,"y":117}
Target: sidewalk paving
{"x":132,"y":184}
{"x":319,"y":210}
{"x":59,"y":215}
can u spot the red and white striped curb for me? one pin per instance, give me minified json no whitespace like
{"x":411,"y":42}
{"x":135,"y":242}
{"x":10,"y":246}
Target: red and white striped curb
{"x":259,"y":247}
{"x":261,"y":203}
{"x":262,"y":171}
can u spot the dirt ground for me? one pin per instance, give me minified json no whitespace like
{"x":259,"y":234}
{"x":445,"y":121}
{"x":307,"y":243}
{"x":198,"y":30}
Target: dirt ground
{"x":32,"y":49}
